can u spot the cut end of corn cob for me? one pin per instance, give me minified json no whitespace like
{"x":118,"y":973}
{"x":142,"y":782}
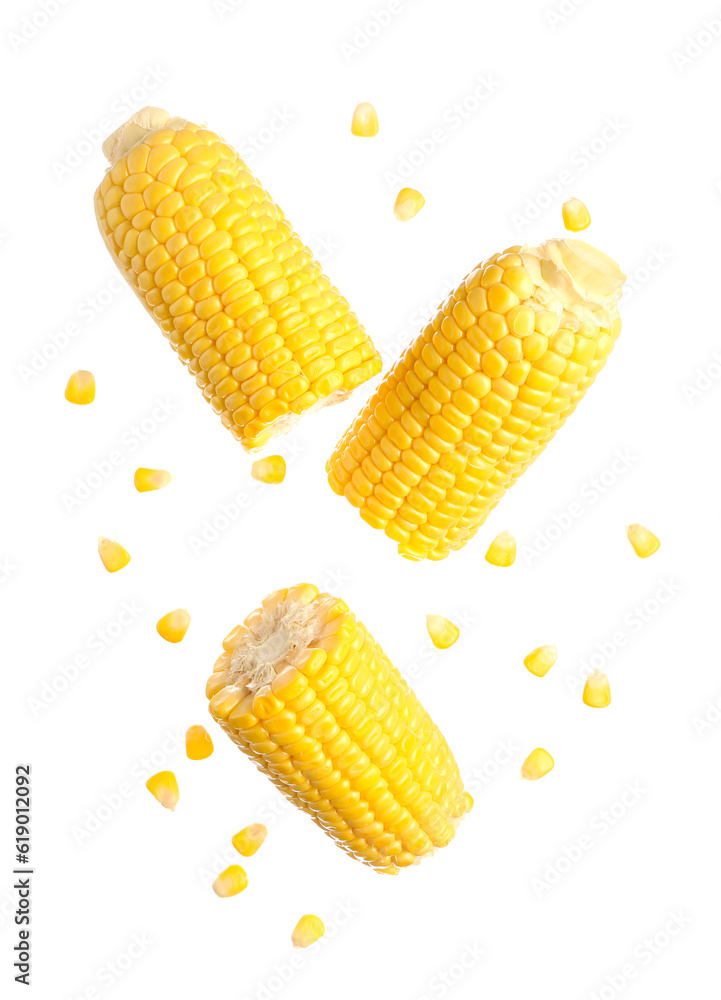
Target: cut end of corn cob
{"x":597,"y":690}
{"x":443,"y":632}
{"x":408,"y":204}
{"x":479,"y":394}
{"x":307,"y":931}
{"x":230,"y":882}
{"x":576,"y":216}
{"x":146,"y":480}
{"x":198,"y":744}
{"x":80,"y":388}
{"x":644,"y":542}
{"x":240,"y":298}
{"x":173,"y":626}
{"x":365,"y":120}
{"x":537,"y":764}
{"x":269,"y":470}
{"x":502,"y":550}
{"x":112,"y":554}
{"x":304,"y":690}
{"x":540,"y":660}
{"x":250,"y":839}
{"x":163,"y":786}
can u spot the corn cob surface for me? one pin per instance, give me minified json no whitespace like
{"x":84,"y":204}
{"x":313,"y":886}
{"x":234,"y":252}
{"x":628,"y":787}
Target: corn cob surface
{"x":303,"y":689}
{"x":213,"y":259}
{"x":479,"y":394}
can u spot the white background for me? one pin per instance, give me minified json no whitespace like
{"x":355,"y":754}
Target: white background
{"x":550,"y":924}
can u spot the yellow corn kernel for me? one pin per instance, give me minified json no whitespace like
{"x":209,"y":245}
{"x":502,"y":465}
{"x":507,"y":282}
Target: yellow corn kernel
{"x":408,"y":203}
{"x":502,"y":550}
{"x":230,"y":882}
{"x":269,"y":470}
{"x":248,"y":840}
{"x":241,"y":300}
{"x":151,"y":479}
{"x":304,"y":690}
{"x":538,"y":763}
{"x":112,"y":554}
{"x":644,"y":541}
{"x":540,"y":660}
{"x":307,"y":931}
{"x":164,"y":787}
{"x":198,"y":744}
{"x":173,"y":626}
{"x":575,"y":215}
{"x":597,"y":690}
{"x":365,"y":120}
{"x":80,"y":388}
{"x":479,"y":394}
{"x":443,"y":632}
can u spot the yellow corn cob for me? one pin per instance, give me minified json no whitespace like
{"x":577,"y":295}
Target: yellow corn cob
{"x":479,"y":394}
{"x":305,"y":691}
{"x":236,"y":292}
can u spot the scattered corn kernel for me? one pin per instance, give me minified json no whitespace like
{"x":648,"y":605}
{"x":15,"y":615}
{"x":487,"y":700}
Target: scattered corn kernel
{"x":443,"y":633}
{"x":365,"y":120}
{"x":644,"y":541}
{"x":198,"y":744}
{"x":80,"y":388}
{"x":597,"y":690}
{"x":164,"y":787}
{"x":540,"y":660}
{"x":250,"y":839}
{"x":536,"y":764}
{"x":575,"y":215}
{"x":112,"y":554}
{"x":151,"y":479}
{"x":307,"y":931}
{"x":269,"y":470}
{"x":408,"y":203}
{"x":230,"y":882}
{"x":502,"y":550}
{"x":173,"y":626}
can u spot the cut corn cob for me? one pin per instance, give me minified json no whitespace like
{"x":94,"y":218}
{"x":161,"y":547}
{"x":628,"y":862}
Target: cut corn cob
{"x":644,"y":542}
{"x":537,"y":764}
{"x":575,"y":215}
{"x":146,"y":480}
{"x":163,"y":786}
{"x":198,"y":744}
{"x":365,"y":120}
{"x":443,"y":632}
{"x":80,"y":388}
{"x":239,"y":296}
{"x":479,"y":394}
{"x":409,"y":202}
{"x":502,"y":550}
{"x":112,"y":554}
{"x":597,"y":690}
{"x":269,"y":470}
{"x":305,"y":691}
{"x":230,"y":882}
{"x":307,"y":931}
{"x":540,"y":660}
{"x":250,"y":839}
{"x":173,"y":626}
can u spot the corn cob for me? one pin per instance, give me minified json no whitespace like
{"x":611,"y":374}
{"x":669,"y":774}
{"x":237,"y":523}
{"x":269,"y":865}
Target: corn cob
{"x":241,"y":299}
{"x":479,"y":394}
{"x":305,"y":691}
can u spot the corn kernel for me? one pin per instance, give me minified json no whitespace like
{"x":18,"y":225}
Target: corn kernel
{"x":151,"y":479}
{"x":575,"y":215}
{"x":502,"y":550}
{"x":536,"y":764}
{"x":365,"y":120}
{"x":250,"y":839}
{"x":644,"y":541}
{"x":80,"y":388}
{"x":198,"y":744}
{"x":540,"y":660}
{"x":173,"y":626}
{"x":164,"y":787}
{"x":307,"y":931}
{"x":597,"y":690}
{"x":408,"y":203}
{"x":230,"y":882}
{"x":443,"y":633}
{"x":112,"y":554}
{"x":269,"y":470}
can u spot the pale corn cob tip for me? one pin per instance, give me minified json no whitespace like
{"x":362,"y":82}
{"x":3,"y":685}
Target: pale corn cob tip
{"x":112,"y":554}
{"x":644,"y":542}
{"x":443,"y":632}
{"x":540,"y":660}
{"x":173,"y":626}
{"x":307,"y":931}
{"x":597,"y":690}
{"x":213,"y":259}
{"x":198,"y":744}
{"x":230,"y":882}
{"x":408,"y":204}
{"x":146,"y":480}
{"x":502,"y":550}
{"x":537,"y":764}
{"x":304,"y":690}
{"x":479,"y":394}
{"x":80,"y":388}
{"x":250,"y":839}
{"x":269,"y":470}
{"x":163,"y":786}
{"x":365,"y":120}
